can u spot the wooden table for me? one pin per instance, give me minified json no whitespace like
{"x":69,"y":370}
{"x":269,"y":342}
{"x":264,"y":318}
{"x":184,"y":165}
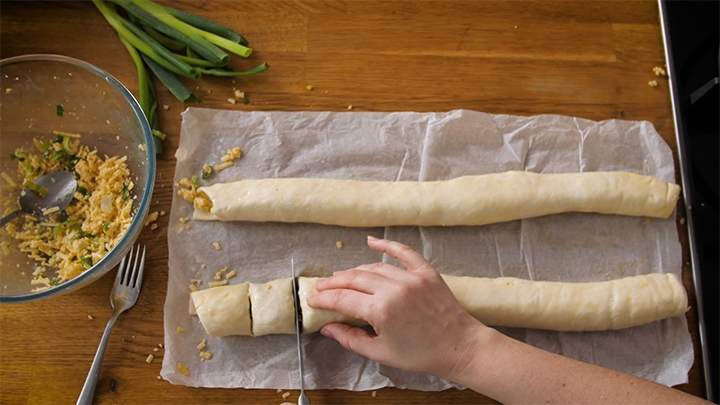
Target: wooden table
{"x":587,"y":59}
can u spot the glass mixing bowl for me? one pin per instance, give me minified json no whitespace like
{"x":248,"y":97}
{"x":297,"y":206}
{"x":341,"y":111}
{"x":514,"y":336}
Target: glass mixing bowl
{"x":42,"y":93}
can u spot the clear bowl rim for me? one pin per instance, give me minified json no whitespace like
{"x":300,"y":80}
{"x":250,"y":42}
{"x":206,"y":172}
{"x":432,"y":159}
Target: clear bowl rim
{"x":137,"y":222}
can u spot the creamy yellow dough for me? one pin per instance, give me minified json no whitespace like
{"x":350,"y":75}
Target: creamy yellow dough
{"x":514,"y":302}
{"x":468,"y":200}
{"x":224,"y":310}
{"x":273,"y":307}
{"x":593,"y":306}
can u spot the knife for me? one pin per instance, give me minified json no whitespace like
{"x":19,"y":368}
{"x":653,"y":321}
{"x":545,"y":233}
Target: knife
{"x":302,"y":399}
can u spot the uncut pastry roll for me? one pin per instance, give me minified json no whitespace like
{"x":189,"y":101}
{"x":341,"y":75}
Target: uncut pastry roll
{"x":558,"y":306}
{"x":579,"y":307}
{"x":467,"y":200}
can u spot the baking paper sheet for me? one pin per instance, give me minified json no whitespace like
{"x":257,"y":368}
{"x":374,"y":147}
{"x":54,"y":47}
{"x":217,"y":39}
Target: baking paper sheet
{"x":414,"y":146}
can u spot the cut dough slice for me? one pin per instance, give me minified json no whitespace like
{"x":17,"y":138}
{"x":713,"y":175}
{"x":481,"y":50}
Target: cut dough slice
{"x":504,"y":301}
{"x":224,"y":311}
{"x":468,"y":200}
{"x":273,"y":307}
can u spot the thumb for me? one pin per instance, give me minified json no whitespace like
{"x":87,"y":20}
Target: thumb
{"x":354,"y":339}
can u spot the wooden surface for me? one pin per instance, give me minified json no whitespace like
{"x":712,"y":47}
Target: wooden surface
{"x":587,"y":59}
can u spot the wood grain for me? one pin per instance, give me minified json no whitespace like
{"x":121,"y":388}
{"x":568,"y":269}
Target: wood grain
{"x":590,"y":59}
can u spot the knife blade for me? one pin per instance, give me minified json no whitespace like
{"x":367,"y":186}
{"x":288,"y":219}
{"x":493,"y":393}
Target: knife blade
{"x":302,"y":399}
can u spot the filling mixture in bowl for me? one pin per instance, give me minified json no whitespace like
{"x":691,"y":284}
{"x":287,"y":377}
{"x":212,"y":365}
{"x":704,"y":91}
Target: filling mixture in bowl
{"x":65,"y":244}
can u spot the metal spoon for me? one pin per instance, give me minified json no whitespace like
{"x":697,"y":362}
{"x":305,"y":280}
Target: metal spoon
{"x":60,"y":188}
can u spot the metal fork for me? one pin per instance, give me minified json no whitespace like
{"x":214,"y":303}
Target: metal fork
{"x":123,"y":296}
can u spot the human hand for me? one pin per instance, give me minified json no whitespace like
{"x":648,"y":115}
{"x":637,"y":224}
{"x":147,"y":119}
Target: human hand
{"x":418,"y":323}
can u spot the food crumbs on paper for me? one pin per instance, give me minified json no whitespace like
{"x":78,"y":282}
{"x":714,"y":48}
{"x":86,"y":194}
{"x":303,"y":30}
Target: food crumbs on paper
{"x":223,"y":166}
{"x":193,"y":288}
{"x":648,"y":220}
{"x":149,"y":359}
{"x":202,"y":345}
{"x":221,"y":283}
{"x":184,"y":220}
{"x":216,"y":245}
{"x":184,"y":370}
{"x":230,"y":275}
{"x":286,"y":395}
{"x":206,"y":355}
{"x":653,"y":83}
{"x":207,"y":171}
{"x":180,"y":329}
{"x":339,"y":244}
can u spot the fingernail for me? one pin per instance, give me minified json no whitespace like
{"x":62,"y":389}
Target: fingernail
{"x":370,"y":237}
{"x":325,"y":332}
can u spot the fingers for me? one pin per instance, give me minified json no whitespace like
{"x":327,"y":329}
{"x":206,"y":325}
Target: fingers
{"x":410,"y":259}
{"x":358,"y":279}
{"x":354,"y":339}
{"x":349,"y":302}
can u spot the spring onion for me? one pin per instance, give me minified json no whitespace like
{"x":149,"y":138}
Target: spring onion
{"x":168,"y":42}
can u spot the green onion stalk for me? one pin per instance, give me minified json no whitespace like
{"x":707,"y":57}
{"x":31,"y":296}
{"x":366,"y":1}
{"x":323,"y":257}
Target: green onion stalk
{"x":168,"y":43}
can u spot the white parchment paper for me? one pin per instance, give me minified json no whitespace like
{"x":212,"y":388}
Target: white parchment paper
{"x":414,"y":146}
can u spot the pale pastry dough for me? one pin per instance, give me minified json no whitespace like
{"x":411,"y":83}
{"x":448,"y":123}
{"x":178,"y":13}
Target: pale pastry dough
{"x":224,"y":311}
{"x":512,"y":302}
{"x":468,"y":200}
{"x":273,"y":307}
{"x":560,"y":306}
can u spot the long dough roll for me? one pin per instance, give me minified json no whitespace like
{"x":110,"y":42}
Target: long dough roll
{"x":514,"y":302}
{"x":468,"y":200}
{"x":559,"y":306}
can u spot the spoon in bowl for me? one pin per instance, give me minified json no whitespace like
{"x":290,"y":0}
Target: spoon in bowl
{"x":60,"y":188}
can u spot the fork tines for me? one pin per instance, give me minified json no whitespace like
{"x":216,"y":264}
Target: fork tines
{"x":137,"y":260}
